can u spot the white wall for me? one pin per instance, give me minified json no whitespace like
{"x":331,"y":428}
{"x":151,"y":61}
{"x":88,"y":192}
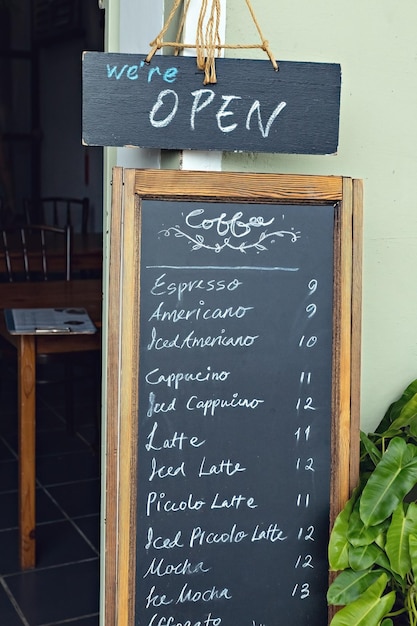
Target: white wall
{"x":375,"y":42}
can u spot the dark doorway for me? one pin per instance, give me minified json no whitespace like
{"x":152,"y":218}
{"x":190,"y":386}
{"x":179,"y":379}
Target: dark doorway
{"x":41,"y":45}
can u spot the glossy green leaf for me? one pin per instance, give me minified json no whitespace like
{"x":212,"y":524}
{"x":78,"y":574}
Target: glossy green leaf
{"x":382,"y":537}
{"x":408,"y":413}
{"x":390,"y":434}
{"x":413,"y":428}
{"x":397,"y":545}
{"x":369,"y":609}
{"x":338,"y":544}
{"x":383,"y":561}
{"x":370,"y":448}
{"x":350,"y":585}
{"x":412,"y":543}
{"x":396,"y":407}
{"x":360,"y":535}
{"x":392,"y":479}
{"x":363,"y":557}
{"x":387,"y":622}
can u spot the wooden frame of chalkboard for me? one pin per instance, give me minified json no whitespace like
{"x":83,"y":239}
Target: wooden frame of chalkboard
{"x":233,"y":373}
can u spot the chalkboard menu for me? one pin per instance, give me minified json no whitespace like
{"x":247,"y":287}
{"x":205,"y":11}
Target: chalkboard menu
{"x":230,"y":450}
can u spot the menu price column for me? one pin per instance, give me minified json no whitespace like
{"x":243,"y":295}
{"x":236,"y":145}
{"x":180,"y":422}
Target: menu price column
{"x":305,"y":466}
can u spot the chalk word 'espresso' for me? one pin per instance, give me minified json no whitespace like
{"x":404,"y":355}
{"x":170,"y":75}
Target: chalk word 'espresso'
{"x":160,"y":287}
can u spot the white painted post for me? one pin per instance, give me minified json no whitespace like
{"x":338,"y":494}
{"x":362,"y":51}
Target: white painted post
{"x":195,"y":159}
{"x":140,"y":22}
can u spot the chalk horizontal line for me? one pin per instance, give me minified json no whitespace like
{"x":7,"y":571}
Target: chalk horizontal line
{"x":223,"y":267}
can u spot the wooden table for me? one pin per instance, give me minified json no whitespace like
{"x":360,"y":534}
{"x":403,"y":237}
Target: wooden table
{"x":77,"y":293}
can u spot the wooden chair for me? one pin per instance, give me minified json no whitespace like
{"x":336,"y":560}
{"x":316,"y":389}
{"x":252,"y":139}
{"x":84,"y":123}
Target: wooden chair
{"x":24,"y":255}
{"x":5,"y":216}
{"x":59,"y":211}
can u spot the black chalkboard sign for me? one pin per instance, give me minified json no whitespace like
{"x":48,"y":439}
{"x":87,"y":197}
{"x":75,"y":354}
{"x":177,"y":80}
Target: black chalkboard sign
{"x":164,"y":104}
{"x":231,"y":426}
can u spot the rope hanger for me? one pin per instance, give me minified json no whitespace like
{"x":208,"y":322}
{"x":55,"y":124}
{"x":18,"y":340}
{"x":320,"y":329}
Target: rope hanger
{"x":208,"y":42}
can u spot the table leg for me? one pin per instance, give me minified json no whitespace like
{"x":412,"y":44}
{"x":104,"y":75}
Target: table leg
{"x":26,"y":403}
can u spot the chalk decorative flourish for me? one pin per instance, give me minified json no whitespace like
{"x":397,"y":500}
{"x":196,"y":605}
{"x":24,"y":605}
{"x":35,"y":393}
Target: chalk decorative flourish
{"x":198,"y":242}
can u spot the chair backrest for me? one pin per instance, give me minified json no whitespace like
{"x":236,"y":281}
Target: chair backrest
{"x":59,"y":211}
{"x":35,"y":252}
{"x":4,"y":215}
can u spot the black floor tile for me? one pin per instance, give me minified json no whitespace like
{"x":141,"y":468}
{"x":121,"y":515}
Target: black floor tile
{"x":69,"y":467}
{"x":8,"y":614}
{"x":57,"y":441}
{"x":5,"y":453}
{"x":63,"y":588}
{"x":9,"y":551}
{"x":90,"y":434}
{"x":91,"y":620}
{"x":56,"y":543}
{"x":60,"y":542}
{"x":87,"y":621}
{"x":90,"y":526}
{"x":8,"y":475}
{"x":52,"y":441}
{"x":85,"y":395}
{"x":52,"y":595}
{"x":8,"y":508}
{"x":47,"y":418}
{"x":46,"y":510}
{"x":78,"y":499}
{"x":8,"y":422}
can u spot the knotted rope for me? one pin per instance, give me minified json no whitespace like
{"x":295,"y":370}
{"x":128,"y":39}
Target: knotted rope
{"x":208,"y":42}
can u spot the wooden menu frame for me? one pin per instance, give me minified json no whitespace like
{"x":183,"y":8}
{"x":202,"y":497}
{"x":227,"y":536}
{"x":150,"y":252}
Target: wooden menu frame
{"x":130,"y":187}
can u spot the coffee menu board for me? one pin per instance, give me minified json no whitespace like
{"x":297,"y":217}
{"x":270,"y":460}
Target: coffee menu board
{"x":231,"y":432}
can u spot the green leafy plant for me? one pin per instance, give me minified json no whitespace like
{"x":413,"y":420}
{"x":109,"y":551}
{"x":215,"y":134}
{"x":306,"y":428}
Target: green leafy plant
{"x":373,"y":543}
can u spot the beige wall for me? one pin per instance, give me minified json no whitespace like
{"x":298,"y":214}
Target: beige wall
{"x":376,"y":44}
